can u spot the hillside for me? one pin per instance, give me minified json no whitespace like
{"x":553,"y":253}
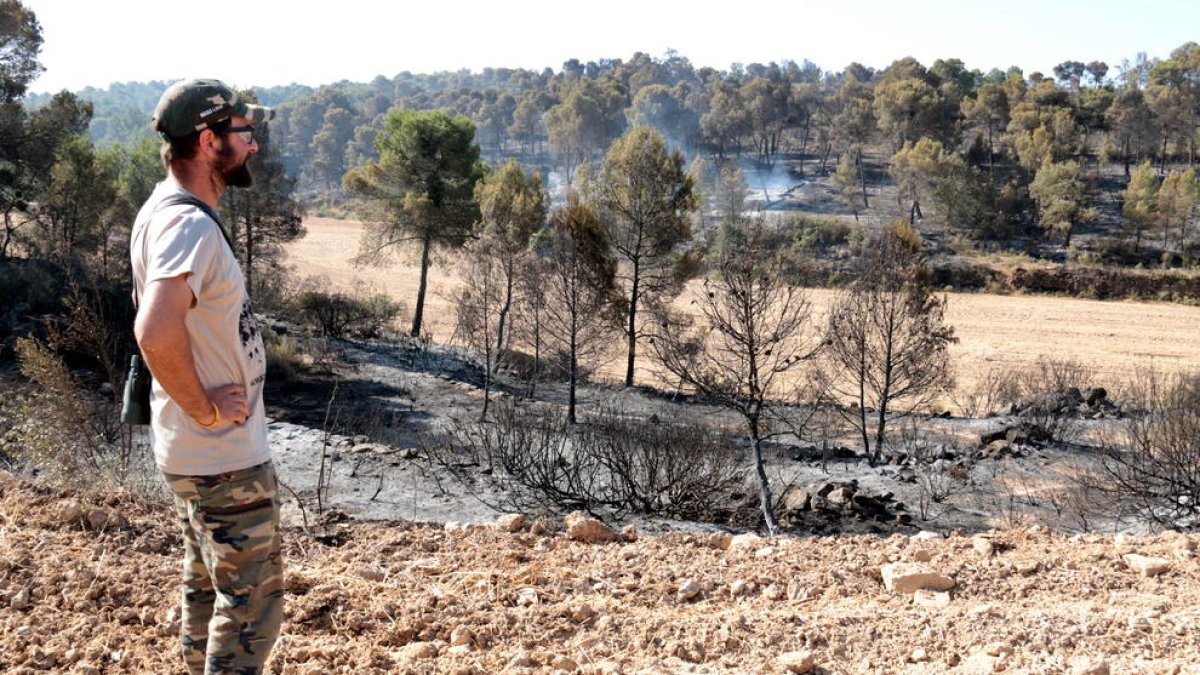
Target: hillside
{"x":89,"y":587}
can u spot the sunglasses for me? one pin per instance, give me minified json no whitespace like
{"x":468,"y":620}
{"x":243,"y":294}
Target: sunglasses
{"x":247,"y":133}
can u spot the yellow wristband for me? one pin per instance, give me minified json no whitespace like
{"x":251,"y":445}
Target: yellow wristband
{"x":216,"y":416}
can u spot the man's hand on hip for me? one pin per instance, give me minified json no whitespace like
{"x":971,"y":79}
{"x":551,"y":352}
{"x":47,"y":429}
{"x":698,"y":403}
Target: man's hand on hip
{"x":230,"y":405}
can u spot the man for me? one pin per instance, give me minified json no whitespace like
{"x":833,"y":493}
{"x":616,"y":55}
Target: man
{"x":198,"y":335}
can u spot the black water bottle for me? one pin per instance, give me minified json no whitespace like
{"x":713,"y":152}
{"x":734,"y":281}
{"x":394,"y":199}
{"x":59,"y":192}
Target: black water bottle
{"x":135,"y":407}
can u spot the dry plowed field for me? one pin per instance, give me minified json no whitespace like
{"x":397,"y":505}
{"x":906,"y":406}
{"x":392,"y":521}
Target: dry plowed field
{"x":1113,"y":338}
{"x":90,"y":586}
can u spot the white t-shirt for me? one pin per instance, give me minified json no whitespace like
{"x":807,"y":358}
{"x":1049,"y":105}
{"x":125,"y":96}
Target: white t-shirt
{"x":226,"y":341}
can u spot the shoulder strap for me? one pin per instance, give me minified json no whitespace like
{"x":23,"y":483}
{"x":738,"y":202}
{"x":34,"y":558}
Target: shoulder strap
{"x":180,"y":200}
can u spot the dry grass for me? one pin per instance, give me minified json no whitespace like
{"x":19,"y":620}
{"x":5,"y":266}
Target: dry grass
{"x":1116,"y":338}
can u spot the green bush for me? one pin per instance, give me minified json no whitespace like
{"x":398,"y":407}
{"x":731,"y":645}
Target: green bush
{"x":344,"y":315}
{"x":818,"y":234}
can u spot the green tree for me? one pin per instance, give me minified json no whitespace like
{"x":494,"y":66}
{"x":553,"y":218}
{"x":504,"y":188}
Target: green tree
{"x":574,"y":131}
{"x":329,"y":144}
{"x":1177,"y":198}
{"x":1061,"y":196}
{"x":665,"y":108}
{"x":582,"y":304}
{"x":1133,"y":124}
{"x":1174,"y":92}
{"x":495,"y":117}
{"x":908,"y":108}
{"x":646,"y":200}
{"x":513,"y":208}
{"x":854,"y":125}
{"x":988,"y":112}
{"x":31,"y":144}
{"x":1140,"y":207}
{"x":20,"y":44}
{"x":421,"y":190}
{"x":136,"y":172}
{"x":527,"y":128}
{"x":727,"y":120}
{"x":74,"y":202}
{"x":767,"y":101}
{"x":918,"y":168}
{"x":845,"y":182}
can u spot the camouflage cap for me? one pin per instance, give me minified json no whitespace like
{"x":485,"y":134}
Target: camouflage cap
{"x":189,"y":106}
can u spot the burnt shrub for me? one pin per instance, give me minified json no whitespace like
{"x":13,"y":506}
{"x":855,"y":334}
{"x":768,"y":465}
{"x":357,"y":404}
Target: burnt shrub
{"x":1151,"y":466}
{"x":614,"y":462}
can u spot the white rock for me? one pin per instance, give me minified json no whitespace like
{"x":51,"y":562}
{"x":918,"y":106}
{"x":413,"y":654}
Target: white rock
{"x":527,"y":597}
{"x":739,"y":588}
{"x":983,"y":546}
{"x":748,"y":541}
{"x":688,"y":590}
{"x":582,"y":527}
{"x":510,"y":522}
{"x":19,"y":601}
{"x":720,"y":540}
{"x":1086,"y":665}
{"x":925,"y":535}
{"x":765,"y":552}
{"x":419,"y":650}
{"x":630,"y":534}
{"x":931,"y":599}
{"x":798,"y":662}
{"x":461,"y":636}
{"x":839,"y":496}
{"x":918,"y":655}
{"x":1147,"y":566}
{"x":909,"y":577}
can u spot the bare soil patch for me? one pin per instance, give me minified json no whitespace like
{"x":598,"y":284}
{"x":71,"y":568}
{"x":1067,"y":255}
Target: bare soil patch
{"x":89,"y":586}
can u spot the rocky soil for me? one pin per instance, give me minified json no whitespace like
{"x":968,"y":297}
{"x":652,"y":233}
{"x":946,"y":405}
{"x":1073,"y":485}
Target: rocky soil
{"x":89,"y":585}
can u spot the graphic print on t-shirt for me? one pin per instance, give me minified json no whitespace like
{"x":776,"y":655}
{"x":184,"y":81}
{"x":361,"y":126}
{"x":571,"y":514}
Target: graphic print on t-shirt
{"x":250,"y":332}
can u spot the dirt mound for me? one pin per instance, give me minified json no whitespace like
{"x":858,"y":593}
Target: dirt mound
{"x":88,"y":585}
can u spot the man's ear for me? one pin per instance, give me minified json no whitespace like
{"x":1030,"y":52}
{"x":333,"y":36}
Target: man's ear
{"x":210,"y":142}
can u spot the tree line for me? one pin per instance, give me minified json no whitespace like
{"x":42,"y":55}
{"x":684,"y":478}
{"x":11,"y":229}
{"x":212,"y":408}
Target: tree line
{"x":961,"y":145}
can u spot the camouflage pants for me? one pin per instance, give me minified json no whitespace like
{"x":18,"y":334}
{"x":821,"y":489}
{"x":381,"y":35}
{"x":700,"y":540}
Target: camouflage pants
{"x":232,"y":569}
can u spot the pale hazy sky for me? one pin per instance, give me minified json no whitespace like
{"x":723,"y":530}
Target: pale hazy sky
{"x":270,"y":42}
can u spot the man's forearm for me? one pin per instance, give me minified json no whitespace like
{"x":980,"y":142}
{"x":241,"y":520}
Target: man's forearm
{"x":168,"y":351}
{"x":162,"y":335}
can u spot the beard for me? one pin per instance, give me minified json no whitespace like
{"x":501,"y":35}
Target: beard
{"x":235,"y":175}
